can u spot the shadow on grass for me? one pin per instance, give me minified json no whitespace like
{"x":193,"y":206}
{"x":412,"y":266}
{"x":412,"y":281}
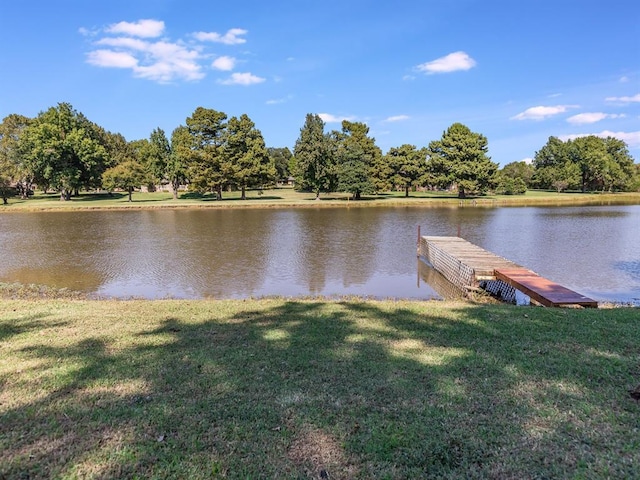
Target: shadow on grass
{"x":22,"y":324}
{"x":93,"y":197}
{"x":252,"y":198}
{"x":333,"y":390}
{"x":214,"y":198}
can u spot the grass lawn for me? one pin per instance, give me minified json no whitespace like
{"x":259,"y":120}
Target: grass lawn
{"x":278,"y":388}
{"x":287,"y":197}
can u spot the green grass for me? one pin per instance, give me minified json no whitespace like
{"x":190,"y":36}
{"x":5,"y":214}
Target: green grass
{"x":287,"y":197}
{"x":277,"y":388}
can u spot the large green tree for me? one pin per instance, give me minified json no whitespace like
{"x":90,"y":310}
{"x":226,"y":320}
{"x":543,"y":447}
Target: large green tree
{"x":514,"y":178}
{"x":281,"y":158}
{"x":126,"y":175}
{"x":118,"y":148}
{"x":585,"y":163}
{"x":552,"y":167}
{"x":589,"y":154}
{"x":459,"y":159}
{"x":62,"y":149}
{"x":405,"y":167}
{"x":314,"y":164}
{"x":154,"y":155}
{"x":356,"y":154}
{"x":246,"y":157}
{"x":207,"y":171}
{"x":620,"y":172}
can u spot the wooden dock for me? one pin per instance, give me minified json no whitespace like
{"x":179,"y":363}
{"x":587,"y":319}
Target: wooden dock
{"x":467,"y":266}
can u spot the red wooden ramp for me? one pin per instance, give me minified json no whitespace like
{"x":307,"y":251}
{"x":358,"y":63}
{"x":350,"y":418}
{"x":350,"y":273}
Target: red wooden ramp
{"x":543,"y":291}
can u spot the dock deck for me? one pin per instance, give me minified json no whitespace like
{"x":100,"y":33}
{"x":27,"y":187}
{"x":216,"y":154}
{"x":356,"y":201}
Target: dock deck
{"x":467,"y":265}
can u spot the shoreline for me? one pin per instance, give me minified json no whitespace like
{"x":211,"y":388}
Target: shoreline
{"x":290,"y":199}
{"x":39,"y":292}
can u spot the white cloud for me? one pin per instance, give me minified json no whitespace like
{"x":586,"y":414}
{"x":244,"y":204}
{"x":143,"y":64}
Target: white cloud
{"x":635,"y":98}
{"x":630,"y":138}
{"x":224,"y":63}
{"x":449,"y":63}
{"x":142,"y":28}
{"x":232,"y":37}
{"x":624,"y":79}
{"x":125,"y":43}
{"x":109,"y":58}
{"x":133,"y":46}
{"x":159,"y":61}
{"x":527,"y":160}
{"x":408,"y":78}
{"x":542,"y":112}
{"x":591,"y":117}
{"x":329,"y":118}
{"x":242,"y":79}
{"x":397,"y":118}
{"x":277,"y":101}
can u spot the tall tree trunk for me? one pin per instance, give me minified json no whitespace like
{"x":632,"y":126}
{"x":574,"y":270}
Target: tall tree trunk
{"x":244,"y":193}
{"x":406,"y":190}
{"x":219,"y":192}
{"x":317,"y":194}
{"x":130,"y":190}
{"x":174,"y":189}
{"x":462,"y":193}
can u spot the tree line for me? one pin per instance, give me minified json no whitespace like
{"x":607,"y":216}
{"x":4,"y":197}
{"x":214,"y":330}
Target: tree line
{"x":61,"y":150}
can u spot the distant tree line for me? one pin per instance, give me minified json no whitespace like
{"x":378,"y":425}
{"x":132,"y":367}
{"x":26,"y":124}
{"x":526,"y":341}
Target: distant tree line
{"x":61,"y":150}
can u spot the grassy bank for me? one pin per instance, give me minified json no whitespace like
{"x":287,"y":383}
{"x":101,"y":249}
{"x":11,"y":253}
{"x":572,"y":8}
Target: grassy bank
{"x":312,"y":389}
{"x":287,"y":197}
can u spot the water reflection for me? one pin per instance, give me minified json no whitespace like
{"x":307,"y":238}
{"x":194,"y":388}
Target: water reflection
{"x":326,"y":251}
{"x":436,"y":281}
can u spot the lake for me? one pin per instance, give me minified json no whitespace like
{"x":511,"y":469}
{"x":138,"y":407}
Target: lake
{"x":371,"y":252}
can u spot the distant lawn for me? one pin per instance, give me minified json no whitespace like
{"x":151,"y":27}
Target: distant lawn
{"x":316,"y":389}
{"x":288,"y":197}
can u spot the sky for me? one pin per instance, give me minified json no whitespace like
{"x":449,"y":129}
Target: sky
{"x":516,"y":71}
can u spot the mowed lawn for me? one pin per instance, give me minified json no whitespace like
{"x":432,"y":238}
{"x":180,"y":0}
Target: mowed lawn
{"x":288,"y":197}
{"x":279,"y":388}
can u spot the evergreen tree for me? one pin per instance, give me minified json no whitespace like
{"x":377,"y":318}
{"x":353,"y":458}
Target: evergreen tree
{"x":356,"y":154}
{"x":207,"y":169}
{"x":459,"y":159}
{"x":406,"y":167}
{"x":249,"y":164}
{"x":314,"y":165}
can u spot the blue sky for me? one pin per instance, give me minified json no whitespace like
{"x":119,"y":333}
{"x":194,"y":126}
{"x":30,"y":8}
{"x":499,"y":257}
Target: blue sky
{"x":515,"y":71}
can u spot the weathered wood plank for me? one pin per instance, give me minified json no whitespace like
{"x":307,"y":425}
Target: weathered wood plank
{"x":542,"y":290}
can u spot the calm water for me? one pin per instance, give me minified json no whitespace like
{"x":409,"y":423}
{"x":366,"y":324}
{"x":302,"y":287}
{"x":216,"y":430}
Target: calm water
{"x":296,"y":252}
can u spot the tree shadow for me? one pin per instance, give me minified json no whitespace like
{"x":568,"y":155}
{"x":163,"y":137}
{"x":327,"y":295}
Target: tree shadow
{"x":333,"y":389}
{"x":22,"y":324}
{"x":93,"y":197}
{"x":252,"y":198}
{"x":213,"y":197}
